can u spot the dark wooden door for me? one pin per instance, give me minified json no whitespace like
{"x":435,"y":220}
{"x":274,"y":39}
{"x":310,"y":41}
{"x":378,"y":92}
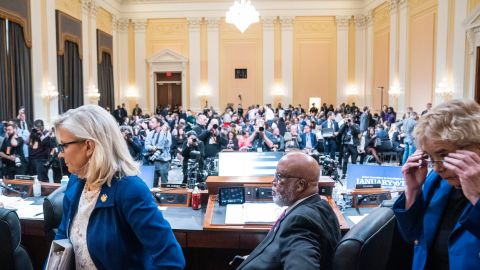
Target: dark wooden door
{"x":169,"y":93}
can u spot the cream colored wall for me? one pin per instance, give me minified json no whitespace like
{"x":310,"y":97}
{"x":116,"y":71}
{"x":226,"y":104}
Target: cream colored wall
{"x":131,"y":55}
{"x":241,"y":51}
{"x":203,"y":54}
{"x":314,"y":60}
{"x":277,"y":74}
{"x":104,"y":21}
{"x":165,"y":34}
{"x":422,"y":36}
{"x":472,"y":5}
{"x":70,"y":7}
{"x":381,"y":43}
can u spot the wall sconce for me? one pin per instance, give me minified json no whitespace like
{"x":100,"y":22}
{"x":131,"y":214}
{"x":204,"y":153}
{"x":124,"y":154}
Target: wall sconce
{"x":131,"y":93}
{"x":278,"y":90}
{"x":395,"y":90}
{"x":204,"y":92}
{"x":444,"y":89}
{"x":93,"y":92}
{"x":51,"y":92}
{"x":352,"y":90}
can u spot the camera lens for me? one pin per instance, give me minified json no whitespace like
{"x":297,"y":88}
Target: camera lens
{"x":215,"y":126}
{"x":261,"y":129}
{"x":194,"y":139}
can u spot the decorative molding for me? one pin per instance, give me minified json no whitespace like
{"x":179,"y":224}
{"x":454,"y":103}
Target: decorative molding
{"x":287,"y":22}
{"x":393,"y":6}
{"x":269,"y":21}
{"x":342,"y":22}
{"x":403,"y":4}
{"x":360,"y":21}
{"x":212,"y":22}
{"x":369,"y":18}
{"x":122,"y":25}
{"x":140,"y":25}
{"x":18,"y":12}
{"x":68,"y":28}
{"x":194,"y":23}
{"x":471,"y":33}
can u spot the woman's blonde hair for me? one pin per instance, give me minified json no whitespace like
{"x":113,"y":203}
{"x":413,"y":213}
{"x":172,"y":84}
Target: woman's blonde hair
{"x":110,"y":156}
{"x":457,"y":121}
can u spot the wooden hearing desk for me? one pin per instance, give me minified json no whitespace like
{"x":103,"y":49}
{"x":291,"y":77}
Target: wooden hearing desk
{"x":215,"y":182}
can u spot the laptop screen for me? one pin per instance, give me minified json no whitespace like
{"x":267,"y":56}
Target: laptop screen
{"x":147,"y":173}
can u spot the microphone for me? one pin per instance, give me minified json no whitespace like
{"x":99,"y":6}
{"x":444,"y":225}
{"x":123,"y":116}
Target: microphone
{"x":22,"y":194}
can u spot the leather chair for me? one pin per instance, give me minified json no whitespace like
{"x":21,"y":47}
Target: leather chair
{"x":12,"y":255}
{"x":52,"y":212}
{"x":374,"y":243}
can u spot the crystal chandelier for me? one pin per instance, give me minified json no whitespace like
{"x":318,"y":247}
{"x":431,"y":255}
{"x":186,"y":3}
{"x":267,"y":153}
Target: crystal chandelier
{"x":242,"y":14}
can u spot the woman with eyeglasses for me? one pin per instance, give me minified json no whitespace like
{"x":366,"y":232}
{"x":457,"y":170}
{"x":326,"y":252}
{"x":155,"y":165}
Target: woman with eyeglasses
{"x":109,"y":214}
{"x":440,"y":211}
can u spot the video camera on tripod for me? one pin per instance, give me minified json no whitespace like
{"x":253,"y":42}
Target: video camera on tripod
{"x":329,"y":167}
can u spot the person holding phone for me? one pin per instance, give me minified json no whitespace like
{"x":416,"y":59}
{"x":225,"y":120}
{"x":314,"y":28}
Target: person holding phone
{"x":440,"y":211}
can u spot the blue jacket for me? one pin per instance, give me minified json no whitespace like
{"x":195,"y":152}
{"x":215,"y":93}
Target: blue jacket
{"x":419,"y":225}
{"x":313,"y":140}
{"x":126,"y":230}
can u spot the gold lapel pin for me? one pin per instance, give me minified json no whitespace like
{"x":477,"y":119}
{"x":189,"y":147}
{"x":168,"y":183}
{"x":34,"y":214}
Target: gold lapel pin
{"x":104,"y":198}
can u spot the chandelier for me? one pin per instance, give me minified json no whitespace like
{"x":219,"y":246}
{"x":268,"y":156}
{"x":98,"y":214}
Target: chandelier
{"x":242,"y":14}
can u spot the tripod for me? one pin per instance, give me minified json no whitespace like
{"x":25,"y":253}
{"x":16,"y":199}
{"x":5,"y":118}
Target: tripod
{"x":195,"y":174}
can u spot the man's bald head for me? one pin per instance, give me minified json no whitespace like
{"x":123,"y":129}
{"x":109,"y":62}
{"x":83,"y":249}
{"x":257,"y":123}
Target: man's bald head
{"x":296,"y":178}
{"x":299,"y":164}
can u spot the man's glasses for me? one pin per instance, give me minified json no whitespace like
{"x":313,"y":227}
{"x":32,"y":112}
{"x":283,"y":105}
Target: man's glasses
{"x":277,"y":178}
{"x":62,"y":146}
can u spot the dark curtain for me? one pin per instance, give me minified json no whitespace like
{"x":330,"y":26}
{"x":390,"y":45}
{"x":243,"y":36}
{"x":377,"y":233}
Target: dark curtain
{"x":70,"y":78}
{"x":21,"y":74}
{"x":105,"y":81}
{"x":6,"y":106}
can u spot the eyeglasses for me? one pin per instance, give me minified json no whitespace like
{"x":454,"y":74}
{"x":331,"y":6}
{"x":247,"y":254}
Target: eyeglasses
{"x":434,"y":163}
{"x":62,"y":146}
{"x":278,"y":177}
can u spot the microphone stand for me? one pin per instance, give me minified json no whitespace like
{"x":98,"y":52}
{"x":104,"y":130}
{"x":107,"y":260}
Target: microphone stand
{"x":22,"y":194}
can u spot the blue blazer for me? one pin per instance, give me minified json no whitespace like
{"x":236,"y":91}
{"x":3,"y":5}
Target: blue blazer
{"x":303,"y":143}
{"x":126,"y":230}
{"x":419,"y":225}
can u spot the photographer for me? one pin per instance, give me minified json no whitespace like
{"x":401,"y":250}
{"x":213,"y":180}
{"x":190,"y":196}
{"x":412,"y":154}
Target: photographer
{"x":260,"y":138}
{"x":133,"y":143}
{"x":192,"y":149}
{"x":158,"y":145}
{"x":349,"y":134}
{"x":212,"y":140}
{"x":39,"y":147}
{"x":12,"y":152}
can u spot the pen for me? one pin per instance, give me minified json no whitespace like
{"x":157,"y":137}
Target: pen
{"x":38,"y":214}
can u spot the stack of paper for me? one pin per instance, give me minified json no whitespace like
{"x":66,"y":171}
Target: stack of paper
{"x":252,"y":213}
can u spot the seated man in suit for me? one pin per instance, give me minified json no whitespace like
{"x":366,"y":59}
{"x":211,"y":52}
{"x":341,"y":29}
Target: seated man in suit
{"x":305,"y":235}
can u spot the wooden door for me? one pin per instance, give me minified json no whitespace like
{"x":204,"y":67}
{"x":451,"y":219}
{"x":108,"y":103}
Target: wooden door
{"x":169,"y":93}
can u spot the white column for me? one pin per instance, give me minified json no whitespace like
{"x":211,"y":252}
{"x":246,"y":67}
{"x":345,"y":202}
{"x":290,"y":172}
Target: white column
{"x":268,"y":58}
{"x":360,"y":57}
{"x":85,"y":51}
{"x":393,"y":59}
{"x":213,"y":62}
{"x":403,"y":56}
{"x":287,"y":58}
{"x":51,"y":55}
{"x":441,"y":45}
{"x":369,"y":62}
{"x":115,"y":61}
{"x":39,"y":108}
{"x":459,"y":37}
{"x":123,"y":64}
{"x":140,"y":26}
{"x":93,"y":46}
{"x":342,"y":57}
{"x":194,"y":55}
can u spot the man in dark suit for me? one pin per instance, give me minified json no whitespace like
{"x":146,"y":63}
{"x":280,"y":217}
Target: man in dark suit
{"x":305,"y":235}
{"x":308,"y":139}
{"x":330,"y":142}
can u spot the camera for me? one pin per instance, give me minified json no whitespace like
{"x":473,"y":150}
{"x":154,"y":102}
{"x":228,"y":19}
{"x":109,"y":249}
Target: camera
{"x":261,"y":129}
{"x":329,"y":167}
{"x":194,"y":140}
{"x":155,"y":155}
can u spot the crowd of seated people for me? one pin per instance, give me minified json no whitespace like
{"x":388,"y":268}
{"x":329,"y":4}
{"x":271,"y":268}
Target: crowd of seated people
{"x":345,"y":133}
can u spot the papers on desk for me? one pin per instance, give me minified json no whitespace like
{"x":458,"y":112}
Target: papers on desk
{"x":24,"y":208}
{"x":356,"y":219}
{"x":252,"y":213}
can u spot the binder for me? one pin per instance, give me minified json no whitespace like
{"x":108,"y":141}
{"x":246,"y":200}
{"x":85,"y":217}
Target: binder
{"x":61,"y":256}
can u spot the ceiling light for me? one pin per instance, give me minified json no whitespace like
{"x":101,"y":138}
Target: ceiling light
{"x":242,"y":14}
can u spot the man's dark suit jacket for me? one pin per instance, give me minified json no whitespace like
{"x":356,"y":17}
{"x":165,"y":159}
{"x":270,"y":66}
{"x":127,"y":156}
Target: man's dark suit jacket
{"x":305,"y":239}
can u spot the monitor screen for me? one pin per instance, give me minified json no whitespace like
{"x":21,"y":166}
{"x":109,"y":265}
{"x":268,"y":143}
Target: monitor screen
{"x":147,"y":173}
{"x":248,"y":163}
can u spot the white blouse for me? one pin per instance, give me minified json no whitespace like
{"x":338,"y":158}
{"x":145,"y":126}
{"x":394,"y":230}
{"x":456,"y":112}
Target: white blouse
{"x":78,"y":232}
